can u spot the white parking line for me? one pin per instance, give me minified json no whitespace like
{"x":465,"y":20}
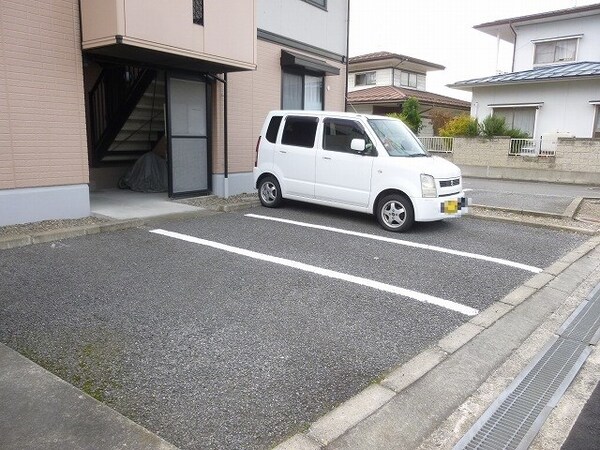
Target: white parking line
{"x":418,"y":296}
{"x":434,"y":248}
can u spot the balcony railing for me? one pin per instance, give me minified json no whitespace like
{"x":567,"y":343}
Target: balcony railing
{"x":438,"y":144}
{"x":529,"y":147}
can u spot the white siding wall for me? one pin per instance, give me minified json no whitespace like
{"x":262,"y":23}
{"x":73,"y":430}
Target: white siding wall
{"x":383,"y":77}
{"x":566,"y":105}
{"x":589,"y":50}
{"x":301,"y":21}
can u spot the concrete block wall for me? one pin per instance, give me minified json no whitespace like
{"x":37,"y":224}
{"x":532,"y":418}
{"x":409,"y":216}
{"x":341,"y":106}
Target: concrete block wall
{"x":576,"y":161}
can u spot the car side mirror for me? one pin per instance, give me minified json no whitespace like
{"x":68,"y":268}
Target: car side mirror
{"x":358,"y":145}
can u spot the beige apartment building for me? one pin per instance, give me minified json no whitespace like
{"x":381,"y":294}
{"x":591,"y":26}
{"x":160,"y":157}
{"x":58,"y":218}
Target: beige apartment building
{"x":88,"y":86}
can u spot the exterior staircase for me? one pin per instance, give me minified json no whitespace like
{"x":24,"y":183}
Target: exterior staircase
{"x":127,"y":113}
{"x":144,"y":126}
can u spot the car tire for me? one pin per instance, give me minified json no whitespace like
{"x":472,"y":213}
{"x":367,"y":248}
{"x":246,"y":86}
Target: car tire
{"x":269,"y":192}
{"x":395,"y":213}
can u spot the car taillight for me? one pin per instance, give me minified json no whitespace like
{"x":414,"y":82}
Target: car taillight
{"x":256,"y":156}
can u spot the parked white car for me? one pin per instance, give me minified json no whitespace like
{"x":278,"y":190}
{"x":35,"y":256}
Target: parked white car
{"x":370,"y":164}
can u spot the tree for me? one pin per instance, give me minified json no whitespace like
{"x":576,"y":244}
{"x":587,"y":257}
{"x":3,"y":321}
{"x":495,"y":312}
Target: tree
{"x":410,"y":115}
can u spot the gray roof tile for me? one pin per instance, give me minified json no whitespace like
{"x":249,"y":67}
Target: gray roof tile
{"x":545,"y":73}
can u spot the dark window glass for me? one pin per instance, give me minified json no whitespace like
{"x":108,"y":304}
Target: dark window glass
{"x":273,"y":129}
{"x":320,"y":3}
{"x":338,"y":135}
{"x":363,"y":79}
{"x":300,"y":131}
{"x":198,"y":6}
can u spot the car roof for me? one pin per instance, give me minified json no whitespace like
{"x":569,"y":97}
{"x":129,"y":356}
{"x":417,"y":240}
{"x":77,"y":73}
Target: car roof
{"x":303,"y":112}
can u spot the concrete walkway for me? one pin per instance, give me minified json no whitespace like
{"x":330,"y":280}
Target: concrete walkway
{"x":41,"y":411}
{"x":429,"y":402}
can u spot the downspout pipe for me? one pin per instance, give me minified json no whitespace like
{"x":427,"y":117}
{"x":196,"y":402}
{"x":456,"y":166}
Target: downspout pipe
{"x":225,"y":136}
{"x":514,"y":45}
{"x":347,"y":56}
{"x":225,"y":141}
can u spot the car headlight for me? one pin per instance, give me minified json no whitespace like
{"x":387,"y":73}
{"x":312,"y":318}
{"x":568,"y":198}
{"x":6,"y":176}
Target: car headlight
{"x":428,"y":188}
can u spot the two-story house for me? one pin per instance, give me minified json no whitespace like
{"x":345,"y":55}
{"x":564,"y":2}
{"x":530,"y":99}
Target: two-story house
{"x":554,"y":86}
{"x":379,"y":83}
{"x":88,"y":86}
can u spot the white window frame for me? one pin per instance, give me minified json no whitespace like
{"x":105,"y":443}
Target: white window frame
{"x":596,"y":120}
{"x":577,"y":39}
{"x":370,"y":78}
{"x":537,"y":107}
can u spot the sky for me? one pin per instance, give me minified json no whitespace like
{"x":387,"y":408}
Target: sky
{"x":441,"y":31}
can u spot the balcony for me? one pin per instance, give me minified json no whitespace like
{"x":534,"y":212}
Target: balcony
{"x":203,"y":36}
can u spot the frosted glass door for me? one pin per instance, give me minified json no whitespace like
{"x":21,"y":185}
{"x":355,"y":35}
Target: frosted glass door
{"x":188,"y":136}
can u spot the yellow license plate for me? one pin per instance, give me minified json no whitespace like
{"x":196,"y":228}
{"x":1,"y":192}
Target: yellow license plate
{"x":450,"y":206}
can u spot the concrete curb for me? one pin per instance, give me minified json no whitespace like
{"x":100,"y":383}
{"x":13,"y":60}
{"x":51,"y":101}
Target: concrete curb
{"x":48,"y":412}
{"x":572,"y":209}
{"x":524,"y":221}
{"x":372,"y":400}
{"x":524,"y":212}
{"x":8,"y":242}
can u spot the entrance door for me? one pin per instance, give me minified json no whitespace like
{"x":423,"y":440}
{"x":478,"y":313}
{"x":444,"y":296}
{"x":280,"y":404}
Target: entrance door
{"x":187,"y":129}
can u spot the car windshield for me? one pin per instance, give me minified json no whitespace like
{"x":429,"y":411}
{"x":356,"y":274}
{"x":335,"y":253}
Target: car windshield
{"x":397,"y":138}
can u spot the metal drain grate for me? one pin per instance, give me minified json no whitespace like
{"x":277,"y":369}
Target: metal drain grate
{"x":516,"y":416}
{"x":584,"y":325}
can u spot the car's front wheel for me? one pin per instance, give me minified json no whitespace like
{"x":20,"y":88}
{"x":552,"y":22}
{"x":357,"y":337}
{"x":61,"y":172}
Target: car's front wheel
{"x":395,"y":213}
{"x":269,"y":192}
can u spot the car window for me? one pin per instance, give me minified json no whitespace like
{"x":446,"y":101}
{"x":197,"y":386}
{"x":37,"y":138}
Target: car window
{"x":338,"y":134}
{"x":300,"y":131}
{"x":397,"y":138}
{"x":273,"y":129}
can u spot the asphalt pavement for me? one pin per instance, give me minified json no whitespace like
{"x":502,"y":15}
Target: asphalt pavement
{"x":212,"y":349}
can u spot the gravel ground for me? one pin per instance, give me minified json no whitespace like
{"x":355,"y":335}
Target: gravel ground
{"x":48,"y":225}
{"x":587,"y":217}
{"x":214,"y":202}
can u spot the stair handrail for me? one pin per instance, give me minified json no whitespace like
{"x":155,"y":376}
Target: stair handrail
{"x":109,"y":110}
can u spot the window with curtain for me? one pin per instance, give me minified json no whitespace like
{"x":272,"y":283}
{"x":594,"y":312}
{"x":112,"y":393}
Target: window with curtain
{"x":555,"y":51}
{"x":518,"y":118}
{"x":597,"y":123}
{"x":302,"y":91}
{"x":410,"y":79}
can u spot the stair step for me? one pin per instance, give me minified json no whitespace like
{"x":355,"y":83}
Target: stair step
{"x":129,"y":146}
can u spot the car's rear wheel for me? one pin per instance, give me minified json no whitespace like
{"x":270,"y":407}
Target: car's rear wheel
{"x":269,"y":192}
{"x":395,"y":213}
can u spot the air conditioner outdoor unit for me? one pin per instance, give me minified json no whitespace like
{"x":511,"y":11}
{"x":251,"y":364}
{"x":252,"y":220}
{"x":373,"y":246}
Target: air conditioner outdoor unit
{"x":549,"y":141}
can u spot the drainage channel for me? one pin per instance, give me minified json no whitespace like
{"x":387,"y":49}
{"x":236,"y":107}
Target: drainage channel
{"x":516,"y":416}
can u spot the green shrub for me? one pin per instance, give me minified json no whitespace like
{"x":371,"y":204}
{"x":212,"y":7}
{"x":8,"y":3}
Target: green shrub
{"x":463,"y":125}
{"x":515,"y":133}
{"x":493,"y":126}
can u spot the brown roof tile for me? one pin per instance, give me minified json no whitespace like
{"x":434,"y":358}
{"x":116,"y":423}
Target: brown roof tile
{"x":377,"y":56}
{"x":393,"y":94}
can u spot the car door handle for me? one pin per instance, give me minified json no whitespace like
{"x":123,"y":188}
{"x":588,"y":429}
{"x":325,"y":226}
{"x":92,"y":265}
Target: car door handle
{"x":326,"y":157}
{"x":282,"y":151}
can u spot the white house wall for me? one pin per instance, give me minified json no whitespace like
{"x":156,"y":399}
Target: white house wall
{"x":383,"y":77}
{"x":565,"y":106}
{"x":588,"y":50}
{"x":323,"y":29}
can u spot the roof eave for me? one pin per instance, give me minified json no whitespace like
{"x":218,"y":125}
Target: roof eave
{"x":503,"y":83}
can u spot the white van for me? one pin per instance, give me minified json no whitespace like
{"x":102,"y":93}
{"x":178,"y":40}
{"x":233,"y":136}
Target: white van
{"x":371,"y":164}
